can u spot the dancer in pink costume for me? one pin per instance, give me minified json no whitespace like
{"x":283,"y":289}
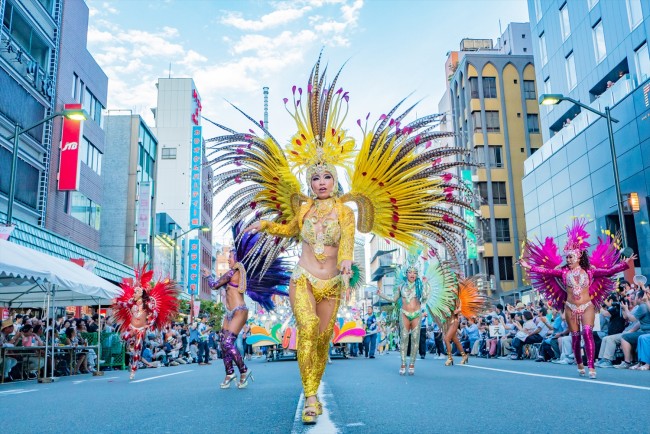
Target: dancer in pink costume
{"x":580,"y":286}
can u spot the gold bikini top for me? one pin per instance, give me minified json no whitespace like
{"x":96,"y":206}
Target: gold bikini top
{"x":329,"y":236}
{"x":330,"y":233}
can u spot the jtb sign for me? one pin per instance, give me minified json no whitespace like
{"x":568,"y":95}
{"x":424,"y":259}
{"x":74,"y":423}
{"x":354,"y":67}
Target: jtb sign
{"x":69,"y":161}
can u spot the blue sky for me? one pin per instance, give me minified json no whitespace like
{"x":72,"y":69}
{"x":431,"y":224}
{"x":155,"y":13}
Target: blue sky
{"x":234,"y":48}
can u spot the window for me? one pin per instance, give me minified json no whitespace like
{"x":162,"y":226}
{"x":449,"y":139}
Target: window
{"x":642,"y":58}
{"x":492,"y":121}
{"x":502,"y":229}
{"x":91,"y":156}
{"x":168,"y":153}
{"x":532,"y":122}
{"x":473,"y":86}
{"x":542,"y":48}
{"x":599,"y":41}
{"x":495,"y":157}
{"x":591,"y":3}
{"x":85,"y":210}
{"x":538,"y":10}
{"x":75,"y":84}
{"x":476,"y":120}
{"x":92,"y":105}
{"x":547,"y":86}
{"x":498,"y":192}
{"x":634,"y":13}
{"x":489,"y":87}
{"x":506,"y":271}
{"x":565,"y":24}
{"x":529,"y":89}
{"x":571,"y":71}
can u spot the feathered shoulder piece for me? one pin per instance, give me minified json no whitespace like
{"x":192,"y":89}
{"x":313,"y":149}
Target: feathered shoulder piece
{"x":402,"y":183}
{"x":605,"y":256}
{"x":159,"y":299}
{"x":545,"y":256}
{"x":260,"y":288}
{"x":472,"y":299}
{"x":442,"y":282}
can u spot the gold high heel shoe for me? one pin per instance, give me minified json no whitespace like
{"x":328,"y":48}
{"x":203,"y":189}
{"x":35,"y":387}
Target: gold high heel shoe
{"x":310,"y":419}
{"x":225,"y":384}
{"x":244,"y":383}
{"x":450,"y":360}
{"x":319,"y":408}
{"x":465,"y":359}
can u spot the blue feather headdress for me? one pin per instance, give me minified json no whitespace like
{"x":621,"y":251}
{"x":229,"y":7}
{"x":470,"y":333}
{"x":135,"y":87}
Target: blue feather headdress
{"x":277,"y":277}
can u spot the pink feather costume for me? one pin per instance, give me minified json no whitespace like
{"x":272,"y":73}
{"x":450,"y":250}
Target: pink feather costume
{"x":574,"y":290}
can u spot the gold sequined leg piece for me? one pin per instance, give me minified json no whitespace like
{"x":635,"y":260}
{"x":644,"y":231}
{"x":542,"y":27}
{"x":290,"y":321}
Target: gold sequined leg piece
{"x":415,"y":344}
{"x":324,"y":341}
{"x":403,"y":340}
{"x":308,"y":323}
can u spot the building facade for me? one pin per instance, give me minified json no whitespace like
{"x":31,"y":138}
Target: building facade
{"x":29,"y":39}
{"x":44,"y":64}
{"x":495,"y":115}
{"x":76,"y":214}
{"x":130,"y":178}
{"x":572,"y":174}
{"x":185,"y":188}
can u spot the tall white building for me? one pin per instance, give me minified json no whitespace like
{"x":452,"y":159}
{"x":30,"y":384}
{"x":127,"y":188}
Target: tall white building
{"x":183,"y":181}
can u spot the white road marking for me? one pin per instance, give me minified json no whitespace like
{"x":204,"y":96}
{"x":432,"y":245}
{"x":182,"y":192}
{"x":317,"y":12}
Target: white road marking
{"x":160,"y":376}
{"x":324,"y":424}
{"x":94,"y":379}
{"x":582,"y":380}
{"x":16,"y":391}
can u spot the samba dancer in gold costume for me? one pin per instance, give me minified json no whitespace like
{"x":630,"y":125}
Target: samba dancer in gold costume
{"x":398,"y":182}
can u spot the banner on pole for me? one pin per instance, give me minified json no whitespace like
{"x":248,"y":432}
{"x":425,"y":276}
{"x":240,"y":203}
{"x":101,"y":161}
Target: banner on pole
{"x":195,"y":186}
{"x":193,"y":266}
{"x":5,"y":231}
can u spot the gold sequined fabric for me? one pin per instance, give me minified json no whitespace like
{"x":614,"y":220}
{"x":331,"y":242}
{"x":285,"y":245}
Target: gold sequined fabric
{"x":321,"y":288}
{"x":302,"y":226}
{"x":313,"y":346}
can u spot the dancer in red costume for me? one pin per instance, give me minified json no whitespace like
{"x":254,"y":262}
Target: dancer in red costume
{"x":580,"y":286}
{"x":144,"y":305}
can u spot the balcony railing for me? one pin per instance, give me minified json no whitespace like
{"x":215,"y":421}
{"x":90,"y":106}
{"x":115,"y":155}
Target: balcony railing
{"x":610,"y":97}
{"x":25,"y":64}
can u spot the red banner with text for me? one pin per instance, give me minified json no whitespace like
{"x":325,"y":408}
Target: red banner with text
{"x":69,"y":162}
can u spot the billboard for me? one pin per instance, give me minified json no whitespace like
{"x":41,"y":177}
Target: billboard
{"x":144,"y":213}
{"x":194,"y":273}
{"x":195,"y":173}
{"x":69,"y":161}
{"x":470,"y":217}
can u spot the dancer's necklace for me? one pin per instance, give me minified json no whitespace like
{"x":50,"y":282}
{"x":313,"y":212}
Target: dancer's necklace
{"x":322,"y":208}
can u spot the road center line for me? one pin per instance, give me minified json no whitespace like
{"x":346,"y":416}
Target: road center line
{"x":325,"y":425}
{"x":582,"y":380}
{"x":16,"y":391}
{"x":160,"y":376}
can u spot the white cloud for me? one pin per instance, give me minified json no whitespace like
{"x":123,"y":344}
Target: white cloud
{"x":267,"y":47}
{"x":276,"y":18}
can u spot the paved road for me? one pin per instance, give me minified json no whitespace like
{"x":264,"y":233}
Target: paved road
{"x":360,"y":396}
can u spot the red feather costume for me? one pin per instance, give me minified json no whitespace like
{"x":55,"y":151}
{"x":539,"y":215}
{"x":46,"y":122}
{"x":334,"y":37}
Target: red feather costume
{"x":144,"y":305}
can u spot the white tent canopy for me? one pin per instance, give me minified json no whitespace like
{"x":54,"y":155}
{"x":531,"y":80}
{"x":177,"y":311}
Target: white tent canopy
{"x":27,"y":274}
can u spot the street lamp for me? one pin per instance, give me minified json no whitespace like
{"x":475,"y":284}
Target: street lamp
{"x":72,"y":114}
{"x":556,"y":98}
